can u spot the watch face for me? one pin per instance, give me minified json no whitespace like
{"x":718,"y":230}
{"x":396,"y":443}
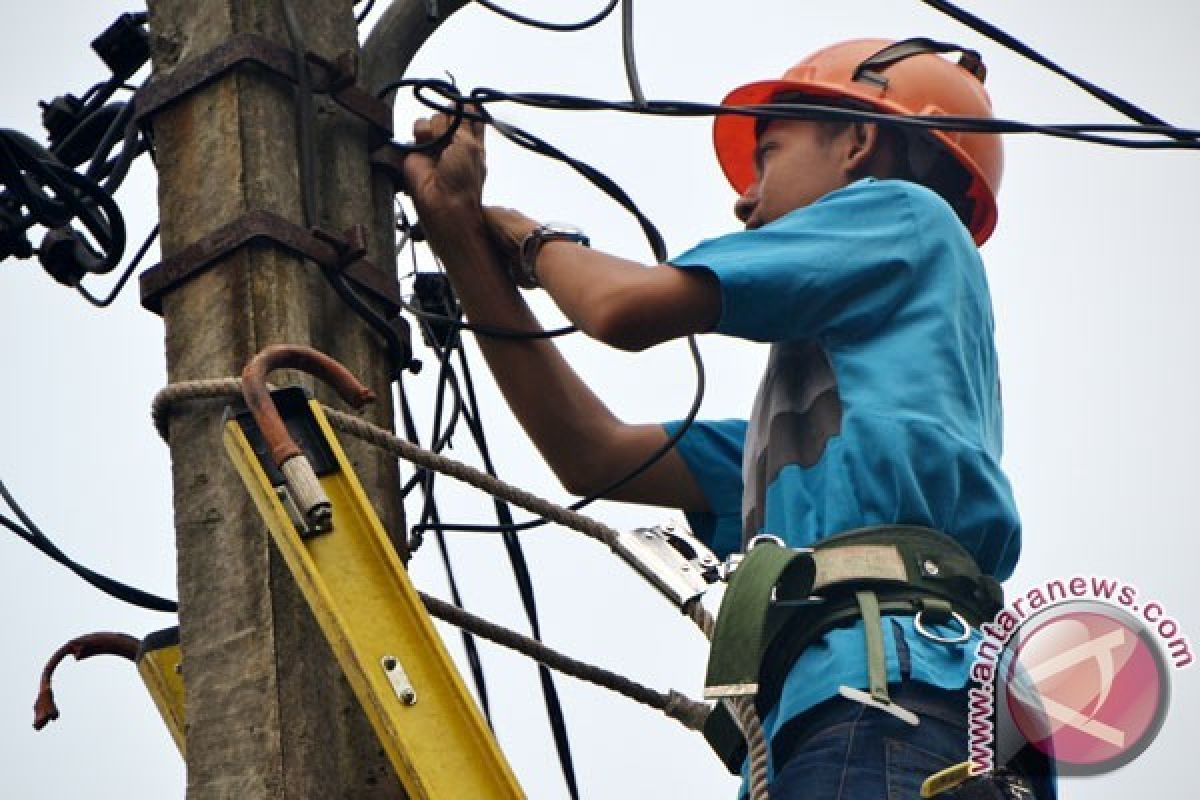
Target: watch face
{"x":562,"y":229}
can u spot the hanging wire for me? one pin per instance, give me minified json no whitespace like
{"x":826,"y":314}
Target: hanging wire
{"x":425,"y":478}
{"x":468,"y":410}
{"x":556,"y":27}
{"x":31,"y":533}
{"x":365,"y":12}
{"x":629,"y":54}
{"x":982,"y":26}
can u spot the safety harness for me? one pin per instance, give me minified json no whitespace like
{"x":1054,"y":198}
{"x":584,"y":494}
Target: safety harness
{"x":780,"y":600}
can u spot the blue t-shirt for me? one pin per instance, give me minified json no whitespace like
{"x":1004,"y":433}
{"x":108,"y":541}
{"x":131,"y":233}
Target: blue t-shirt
{"x":880,"y":404}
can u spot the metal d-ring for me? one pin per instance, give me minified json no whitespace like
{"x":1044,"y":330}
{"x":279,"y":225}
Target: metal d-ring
{"x":928,"y":634}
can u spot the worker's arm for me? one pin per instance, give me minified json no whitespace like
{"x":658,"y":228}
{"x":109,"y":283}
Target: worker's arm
{"x":619,"y":302}
{"x":580,"y":438}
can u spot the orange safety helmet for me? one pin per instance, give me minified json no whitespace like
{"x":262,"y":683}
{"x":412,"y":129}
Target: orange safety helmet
{"x":906,"y":77}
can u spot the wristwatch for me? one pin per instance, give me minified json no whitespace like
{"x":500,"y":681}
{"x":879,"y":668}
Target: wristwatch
{"x":532,"y":245}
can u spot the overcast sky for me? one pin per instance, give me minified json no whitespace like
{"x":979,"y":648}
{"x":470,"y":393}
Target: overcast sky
{"x":1094,"y":286}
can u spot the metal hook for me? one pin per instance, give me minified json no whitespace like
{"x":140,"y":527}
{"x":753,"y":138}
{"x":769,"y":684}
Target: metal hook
{"x":306,"y":492}
{"x":305,"y":359}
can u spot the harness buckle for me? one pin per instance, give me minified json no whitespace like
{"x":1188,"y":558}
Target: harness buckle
{"x":961,"y":638}
{"x":734,"y":560}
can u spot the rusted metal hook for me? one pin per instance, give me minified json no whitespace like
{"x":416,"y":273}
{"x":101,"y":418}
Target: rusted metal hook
{"x":86,"y":646}
{"x":302,"y":481}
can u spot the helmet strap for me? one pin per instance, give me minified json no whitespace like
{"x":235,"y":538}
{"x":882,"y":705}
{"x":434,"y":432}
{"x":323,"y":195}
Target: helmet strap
{"x":871,"y":69}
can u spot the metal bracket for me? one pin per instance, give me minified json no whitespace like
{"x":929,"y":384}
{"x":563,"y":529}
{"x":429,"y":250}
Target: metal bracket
{"x":674,"y":561}
{"x":333,"y":77}
{"x":345,"y":253}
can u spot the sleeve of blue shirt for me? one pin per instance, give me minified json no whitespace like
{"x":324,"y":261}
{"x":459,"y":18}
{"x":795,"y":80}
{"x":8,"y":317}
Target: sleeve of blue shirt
{"x":835,"y":268}
{"x":712,"y":451}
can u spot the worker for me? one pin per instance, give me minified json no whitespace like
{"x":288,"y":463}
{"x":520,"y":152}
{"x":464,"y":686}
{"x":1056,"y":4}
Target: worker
{"x":880,"y":405}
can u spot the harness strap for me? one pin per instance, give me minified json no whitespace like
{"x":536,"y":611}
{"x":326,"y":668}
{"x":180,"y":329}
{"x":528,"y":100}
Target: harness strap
{"x":868,"y":605}
{"x":746,"y":625}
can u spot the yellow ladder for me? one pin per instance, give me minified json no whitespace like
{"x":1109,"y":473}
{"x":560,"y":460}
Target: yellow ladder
{"x":376,"y":624}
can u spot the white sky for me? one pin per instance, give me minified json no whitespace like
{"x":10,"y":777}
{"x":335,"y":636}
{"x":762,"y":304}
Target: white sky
{"x":1091,"y":271}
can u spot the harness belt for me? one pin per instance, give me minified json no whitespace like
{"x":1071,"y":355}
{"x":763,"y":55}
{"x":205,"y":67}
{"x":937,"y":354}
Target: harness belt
{"x":781,"y":600}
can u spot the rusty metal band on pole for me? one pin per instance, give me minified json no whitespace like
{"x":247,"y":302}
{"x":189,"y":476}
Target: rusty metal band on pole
{"x":334,"y":77}
{"x":345,"y":252}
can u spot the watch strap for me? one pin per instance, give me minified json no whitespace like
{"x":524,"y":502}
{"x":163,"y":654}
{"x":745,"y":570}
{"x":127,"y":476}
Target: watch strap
{"x":531,"y":246}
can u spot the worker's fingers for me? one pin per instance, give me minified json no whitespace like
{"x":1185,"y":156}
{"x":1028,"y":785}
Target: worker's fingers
{"x":441,"y":123}
{"x":427,"y":129}
{"x":422,"y":131}
{"x":475,"y":123}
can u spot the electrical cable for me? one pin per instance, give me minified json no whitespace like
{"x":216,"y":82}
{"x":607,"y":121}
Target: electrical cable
{"x":467,"y":402}
{"x":53,"y":194}
{"x":32,"y":534}
{"x":474,"y":662}
{"x":556,"y":27}
{"x":118,"y":127}
{"x":304,"y":115}
{"x":43,"y":187}
{"x":430,"y":520}
{"x":489,"y":331}
{"x":629,"y":55}
{"x":1177,"y":138}
{"x":1001,"y":37}
{"x":27,"y":169}
{"x":520,"y":568}
{"x":362,"y":15}
{"x":478,"y":97}
{"x":133,"y":145}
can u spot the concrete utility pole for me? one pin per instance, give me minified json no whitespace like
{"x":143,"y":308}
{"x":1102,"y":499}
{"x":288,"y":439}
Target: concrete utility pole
{"x":268,"y":712}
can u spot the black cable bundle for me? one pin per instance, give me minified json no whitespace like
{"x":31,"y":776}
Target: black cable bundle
{"x":52,"y":188}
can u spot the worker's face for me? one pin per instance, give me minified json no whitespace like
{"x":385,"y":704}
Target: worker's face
{"x":796,"y":163}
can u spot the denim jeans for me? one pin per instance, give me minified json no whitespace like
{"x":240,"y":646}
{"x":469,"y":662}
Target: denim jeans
{"x":843,"y":750}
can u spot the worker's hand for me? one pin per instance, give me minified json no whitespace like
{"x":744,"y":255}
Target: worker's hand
{"x":508,"y":229}
{"x":447,"y":183}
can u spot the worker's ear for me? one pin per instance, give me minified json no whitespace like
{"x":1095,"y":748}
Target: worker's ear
{"x":860,"y":145}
